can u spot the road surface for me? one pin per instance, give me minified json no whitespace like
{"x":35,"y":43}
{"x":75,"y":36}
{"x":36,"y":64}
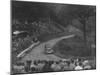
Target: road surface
{"x":37,"y":53}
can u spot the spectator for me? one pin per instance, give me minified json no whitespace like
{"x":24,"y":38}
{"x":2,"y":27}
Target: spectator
{"x":47,"y":67}
{"x":28,"y":65}
{"x":50,"y":66}
{"x":40,"y":66}
{"x":78,"y":66}
{"x":72,"y":65}
{"x":85,"y":62}
{"x":19,"y":67}
{"x":55,"y":66}
{"x":36,"y":65}
{"x":32,"y":67}
{"x":86,"y":65}
{"x":66,"y":67}
{"x":62,"y":63}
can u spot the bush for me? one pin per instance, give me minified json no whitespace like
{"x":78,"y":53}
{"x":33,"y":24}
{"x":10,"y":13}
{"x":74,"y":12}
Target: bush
{"x":71,"y":47}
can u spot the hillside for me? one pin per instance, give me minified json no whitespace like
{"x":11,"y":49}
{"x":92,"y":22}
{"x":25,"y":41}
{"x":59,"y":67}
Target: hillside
{"x":48,"y":21}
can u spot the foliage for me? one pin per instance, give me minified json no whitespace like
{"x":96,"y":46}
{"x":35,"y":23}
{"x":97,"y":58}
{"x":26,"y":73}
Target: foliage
{"x":71,"y":47}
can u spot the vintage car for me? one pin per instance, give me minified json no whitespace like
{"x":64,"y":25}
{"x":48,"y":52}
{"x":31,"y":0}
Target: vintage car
{"x":48,"y":49}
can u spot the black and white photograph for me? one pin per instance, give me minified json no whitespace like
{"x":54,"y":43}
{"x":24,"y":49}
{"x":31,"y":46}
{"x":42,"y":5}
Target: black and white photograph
{"x":52,"y":37}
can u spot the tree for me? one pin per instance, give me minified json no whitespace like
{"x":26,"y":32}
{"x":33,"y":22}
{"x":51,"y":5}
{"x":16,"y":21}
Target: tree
{"x":82,"y":16}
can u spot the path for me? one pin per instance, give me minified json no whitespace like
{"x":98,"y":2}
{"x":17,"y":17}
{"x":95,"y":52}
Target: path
{"x":38,"y":52}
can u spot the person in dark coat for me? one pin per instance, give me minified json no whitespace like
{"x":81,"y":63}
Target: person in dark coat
{"x":47,"y":67}
{"x":27,"y":66}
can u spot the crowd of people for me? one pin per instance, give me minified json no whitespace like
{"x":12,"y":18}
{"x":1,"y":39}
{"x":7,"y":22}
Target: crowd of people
{"x":38,"y":66}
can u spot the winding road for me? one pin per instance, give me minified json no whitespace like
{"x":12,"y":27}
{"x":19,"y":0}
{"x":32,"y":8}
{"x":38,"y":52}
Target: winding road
{"x":37,"y":53}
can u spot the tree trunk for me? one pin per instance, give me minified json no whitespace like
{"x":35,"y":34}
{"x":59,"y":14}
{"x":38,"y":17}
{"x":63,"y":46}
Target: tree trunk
{"x":85,"y":36}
